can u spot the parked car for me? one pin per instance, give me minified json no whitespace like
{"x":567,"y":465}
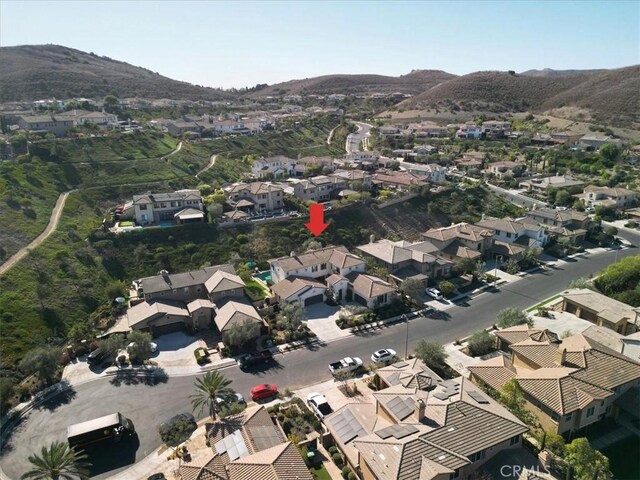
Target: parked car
{"x":249,"y":359}
{"x":97,"y":356}
{"x":434,"y":293}
{"x":154,"y":347}
{"x":157,"y":476}
{"x":239,"y":399}
{"x":262,"y":391}
{"x":319,"y":404}
{"x":384,"y":355}
{"x":347,"y":364}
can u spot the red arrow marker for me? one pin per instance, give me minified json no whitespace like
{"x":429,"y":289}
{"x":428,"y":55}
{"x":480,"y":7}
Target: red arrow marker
{"x":316,"y":223}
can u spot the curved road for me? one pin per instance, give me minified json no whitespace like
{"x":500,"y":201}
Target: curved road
{"x":212,"y":162}
{"x":149,"y":405}
{"x":354,"y":139}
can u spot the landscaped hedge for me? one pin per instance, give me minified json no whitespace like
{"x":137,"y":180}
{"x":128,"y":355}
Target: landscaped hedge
{"x":202,"y":356}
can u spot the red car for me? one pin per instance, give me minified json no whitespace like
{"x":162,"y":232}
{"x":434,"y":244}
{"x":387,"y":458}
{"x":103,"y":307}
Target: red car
{"x":263,"y":391}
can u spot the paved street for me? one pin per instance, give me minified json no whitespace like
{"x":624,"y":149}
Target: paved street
{"x":516,"y":198}
{"x":354,"y":139}
{"x":148,"y":405}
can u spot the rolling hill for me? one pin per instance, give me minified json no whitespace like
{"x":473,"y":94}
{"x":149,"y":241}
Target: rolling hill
{"x":610,"y":96}
{"x":413,"y":83}
{"x":549,"y":72}
{"x":32,"y":72}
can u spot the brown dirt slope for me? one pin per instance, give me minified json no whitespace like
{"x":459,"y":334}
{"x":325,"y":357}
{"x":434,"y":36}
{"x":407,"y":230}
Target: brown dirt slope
{"x":413,"y":83}
{"x":33,"y":72}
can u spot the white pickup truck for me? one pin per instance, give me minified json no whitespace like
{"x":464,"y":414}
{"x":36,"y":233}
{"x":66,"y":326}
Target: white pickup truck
{"x":347,"y":364}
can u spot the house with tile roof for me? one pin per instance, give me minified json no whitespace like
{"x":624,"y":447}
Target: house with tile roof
{"x":569,"y":224}
{"x":255,"y":197}
{"x":179,"y":207}
{"x":601,"y":310}
{"x":246,"y":446}
{"x":422,"y":427}
{"x":272,"y":167}
{"x":520,"y":333}
{"x":408,"y":260}
{"x":619,"y":198}
{"x":569,"y":385}
{"x":540,"y":184}
{"x":513,"y":237}
{"x":461,"y":240}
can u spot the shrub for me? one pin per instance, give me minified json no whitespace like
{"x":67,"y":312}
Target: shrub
{"x":202,"y":356}
{"x":345,"y":472}
{"x":481,"y":343}
{"x":337,"y":459}
{"x":287,"y":425}
{"x":352,"y":476}
{"x":332,"y":449}
{"x":447,"y":288}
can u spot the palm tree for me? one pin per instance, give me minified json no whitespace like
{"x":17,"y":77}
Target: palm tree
{"x":209,"y":387}
{"x":58,"y":461}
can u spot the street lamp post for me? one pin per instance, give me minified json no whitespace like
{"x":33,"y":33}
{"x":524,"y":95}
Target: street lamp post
{"x":495,"y":270}
{"x":406,"y":339}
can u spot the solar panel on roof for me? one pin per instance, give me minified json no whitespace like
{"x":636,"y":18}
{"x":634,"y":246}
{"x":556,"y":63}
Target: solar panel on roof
{"x":264,"y":437}
{"x":441,"y":395}
{"x":384,"y":433}
{"x":346,"y":426}
{"x":404,"y":431}
{"x":232,"y":444}
{"x":477,"y":397}
{"x":400,"y":408}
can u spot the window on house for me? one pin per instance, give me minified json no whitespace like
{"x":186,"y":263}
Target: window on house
{"x":455,"y":474}
{"x":514,"y":440}
{"x":590,"y":411}
{"x":568,"y":417}
{"x":323,"y":266}
{"x":143,"y":207}
{"x":555,"y":417}
{"x":477,"y":456}
{"x":508,"y":235}
{"x":314,"y":268}
{"x":608,"y":409}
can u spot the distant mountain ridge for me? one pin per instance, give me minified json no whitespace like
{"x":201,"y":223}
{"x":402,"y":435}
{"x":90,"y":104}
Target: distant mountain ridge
{"x":32,"y":72}
{"x":549,"y":72}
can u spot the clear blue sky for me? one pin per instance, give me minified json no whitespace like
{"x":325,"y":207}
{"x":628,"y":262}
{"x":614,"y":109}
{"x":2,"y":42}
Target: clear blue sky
{"x":237,"y":44}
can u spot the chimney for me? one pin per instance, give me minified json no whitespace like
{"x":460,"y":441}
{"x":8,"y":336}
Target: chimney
{"x":372,"y":238}
{"x":292,"y":254}
{"x":418,"y":413}
{"x":561,"y":356}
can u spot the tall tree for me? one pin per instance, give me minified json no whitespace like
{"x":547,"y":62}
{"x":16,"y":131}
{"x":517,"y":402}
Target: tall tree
{"x":585,"y":462}
{"x":58,"y":461}
{"x":432,"y":354}
{"x":141,"y":348}
{"x":42,"y":361}
{"x":209,"y":387}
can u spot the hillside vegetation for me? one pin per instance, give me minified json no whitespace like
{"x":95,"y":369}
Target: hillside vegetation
{"x":33,"y":72}
{"x":62,"y":282}
{"x":611,"y":96}
{"x":413,"y":83}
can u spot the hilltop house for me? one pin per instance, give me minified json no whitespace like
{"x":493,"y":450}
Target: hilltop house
{"x":277,"y":166}
{"x":318,"y":189}
{"x":255,"y":196}
{"x":500,"y":169}
{"x":496,"y":129}
{"x":180,"y":127}
{"x":469,"y":131}
{"x":419,"y":427}
{"x":461,"y":240}
{"x":403,"y":181}
{"x":45,"y":123}
{"x":569,"y":385}
{"x":564,"y":182}
{"x":181,"y":206}
{"x":432,"y":171}
{"x":404,"y":260}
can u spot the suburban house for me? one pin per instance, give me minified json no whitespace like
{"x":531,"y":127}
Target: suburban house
{"x":594,"y":141}
{"x":190,"y":301}
{"x":601,"y":310}
{"x":318,"y":189}
{"x":45,"y":123}
{"x":568,"y":385}
{"x":363,"y":156}
{"x":180,"y":127}
{"x":469,"y":131}
{"x":233,"y":313}
{"x":420,"y":427}
{"x":495,"y":129}
{"x":405,"y":260}
{"x":304,"y":165}
{"x":354,"y":176}
{"x":567,"y":138}
{"x":403,"y":181}
{"x":427,"y":130}
{"x":569,"y":224}
{"x":514,"y":236}
{"x":306,"y":278}
{"x":619,"y":198}
{"x":500,"y":169}
{"x":84,"y":117}
{"x":461,"y":240}
{"x":564,"y":182}
{"x":255,"y":197}
{"x":272,"y":167}
{"x":521,"y":333}
{"x":181,"y":206}
{"x":468,"y":164}
{"x":248,"y":445}
{"x":432,"y":171}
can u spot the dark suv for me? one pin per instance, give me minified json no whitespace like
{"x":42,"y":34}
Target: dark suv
{"x":250,"y":359}
{"x":96,"y":357}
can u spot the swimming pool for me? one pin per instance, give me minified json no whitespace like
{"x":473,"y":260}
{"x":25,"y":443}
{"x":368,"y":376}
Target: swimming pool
{"x":265,"y":276}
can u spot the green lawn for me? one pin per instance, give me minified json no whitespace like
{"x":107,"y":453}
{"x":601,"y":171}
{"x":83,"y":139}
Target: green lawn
{"x":255,"y":290}
{"x":320,"y":473}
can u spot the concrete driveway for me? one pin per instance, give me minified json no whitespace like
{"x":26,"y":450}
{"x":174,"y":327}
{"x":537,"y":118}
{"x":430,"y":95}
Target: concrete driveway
{"x":321,"y":320}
